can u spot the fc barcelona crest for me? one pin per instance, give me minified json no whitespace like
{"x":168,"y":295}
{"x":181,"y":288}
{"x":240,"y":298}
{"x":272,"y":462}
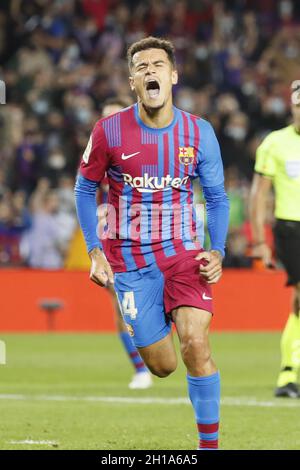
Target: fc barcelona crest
{"x":186,"y":155}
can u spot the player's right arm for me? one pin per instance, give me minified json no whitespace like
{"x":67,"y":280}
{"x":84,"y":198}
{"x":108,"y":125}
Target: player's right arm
{"x":94,"y":163}
{"x":264,"y":172}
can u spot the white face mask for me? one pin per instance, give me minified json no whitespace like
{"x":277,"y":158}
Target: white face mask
{"x":286,"y":7}
{"x":201,"y":53}
{"x":276,"y":106}
{"x":57,"y":161}
{"x":249,"y":88}
{"x":83,"y":115}
{"x":73,"y":51}
{"x":237,"y":133}
{"x":186,"y":103}
{"x":291,"y":51}
{"x":41,"y":106}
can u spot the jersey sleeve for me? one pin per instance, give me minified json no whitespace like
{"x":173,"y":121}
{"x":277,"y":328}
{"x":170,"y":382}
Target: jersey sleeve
{"x":95,"y":159}
{"x":209,"y":163}
{"x":265,"y":163}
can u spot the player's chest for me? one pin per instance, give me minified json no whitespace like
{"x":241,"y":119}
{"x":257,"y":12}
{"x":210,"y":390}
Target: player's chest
{"x":155,"y":154}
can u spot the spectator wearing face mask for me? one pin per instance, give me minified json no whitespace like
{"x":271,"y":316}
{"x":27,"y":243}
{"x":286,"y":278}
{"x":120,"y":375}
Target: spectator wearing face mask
{"x":42,"y":246}
{"x":234,"y":144}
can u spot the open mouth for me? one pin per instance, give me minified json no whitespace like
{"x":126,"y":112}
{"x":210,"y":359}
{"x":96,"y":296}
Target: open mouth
{"x":153,"y":88}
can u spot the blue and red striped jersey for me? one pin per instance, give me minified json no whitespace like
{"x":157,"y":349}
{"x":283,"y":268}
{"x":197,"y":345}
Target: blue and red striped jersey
{"x":150,"y":173}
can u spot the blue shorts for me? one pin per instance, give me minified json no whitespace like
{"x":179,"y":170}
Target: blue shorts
{"x":140,"y":296}
{"x":148,"y":295}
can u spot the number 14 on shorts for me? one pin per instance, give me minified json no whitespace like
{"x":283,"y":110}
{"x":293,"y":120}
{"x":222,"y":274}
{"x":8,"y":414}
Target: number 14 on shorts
{"x":128,"y":305}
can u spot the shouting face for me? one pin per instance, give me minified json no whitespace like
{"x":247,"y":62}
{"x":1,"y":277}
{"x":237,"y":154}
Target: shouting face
{"x":152,"y":77}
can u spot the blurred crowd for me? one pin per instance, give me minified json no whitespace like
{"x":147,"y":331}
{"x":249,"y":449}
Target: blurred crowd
{"x":61,"y":59}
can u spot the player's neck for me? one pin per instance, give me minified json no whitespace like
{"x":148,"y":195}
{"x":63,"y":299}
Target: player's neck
{"x":157,"y":118}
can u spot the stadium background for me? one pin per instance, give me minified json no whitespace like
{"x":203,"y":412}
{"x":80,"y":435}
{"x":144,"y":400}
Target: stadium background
{"x":60,"y":60}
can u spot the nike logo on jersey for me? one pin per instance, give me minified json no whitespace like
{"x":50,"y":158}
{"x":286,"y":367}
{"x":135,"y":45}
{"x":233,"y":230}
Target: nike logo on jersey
{"x":125,"y":157}
{"x":205,"y":297}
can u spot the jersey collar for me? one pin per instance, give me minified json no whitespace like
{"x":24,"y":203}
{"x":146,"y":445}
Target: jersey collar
{"x":153,"y":129}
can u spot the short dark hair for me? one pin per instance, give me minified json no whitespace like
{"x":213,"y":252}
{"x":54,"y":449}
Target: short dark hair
{"x":122,"y":101}
{"x":151,"y":43}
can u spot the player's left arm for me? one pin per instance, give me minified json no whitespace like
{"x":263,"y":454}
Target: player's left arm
{"x":210,"y":170}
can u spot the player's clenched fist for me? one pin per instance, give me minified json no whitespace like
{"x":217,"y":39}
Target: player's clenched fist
{"x":101,"y":272}
{"x":211,"y":270}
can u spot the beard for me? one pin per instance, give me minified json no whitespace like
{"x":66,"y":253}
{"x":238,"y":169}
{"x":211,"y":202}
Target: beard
{"x":152,"y":110}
